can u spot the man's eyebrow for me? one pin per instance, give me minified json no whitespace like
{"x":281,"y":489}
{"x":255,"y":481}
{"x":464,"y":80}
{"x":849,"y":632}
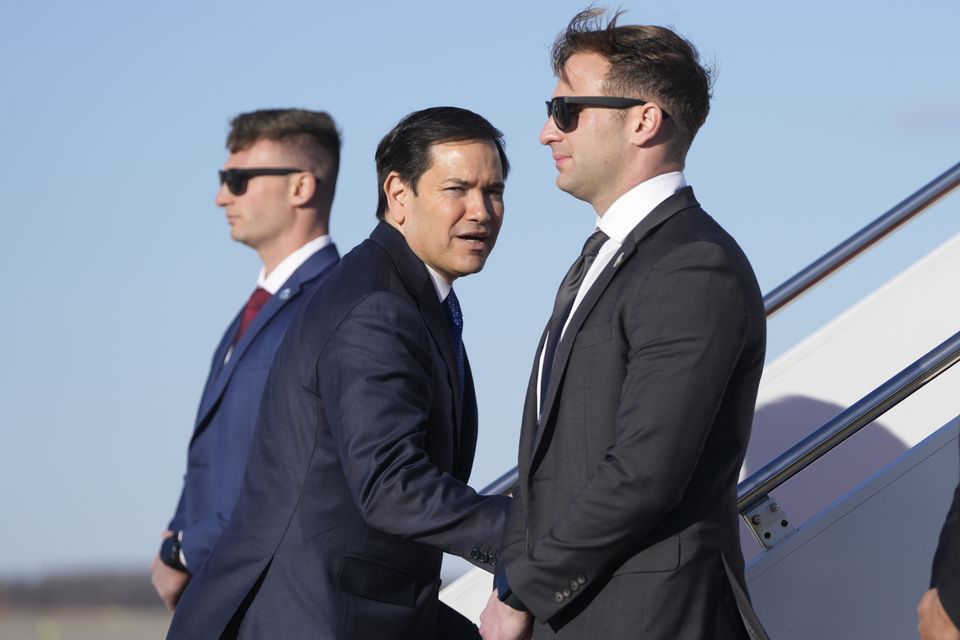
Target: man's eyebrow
{"x":462,"y":182}
{"x":499,"y":185}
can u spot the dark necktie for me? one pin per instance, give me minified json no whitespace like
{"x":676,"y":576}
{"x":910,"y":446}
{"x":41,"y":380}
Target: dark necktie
{"x":452,"y":306}
{"x":257,"y":299}
{"x":564,"y":303}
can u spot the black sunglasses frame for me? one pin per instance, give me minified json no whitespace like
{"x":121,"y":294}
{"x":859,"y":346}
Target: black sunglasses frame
{"x":565,"y":118}
{"x":237,"y":179}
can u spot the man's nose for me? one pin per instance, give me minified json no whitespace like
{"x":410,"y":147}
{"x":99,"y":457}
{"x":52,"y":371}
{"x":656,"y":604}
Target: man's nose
{"x":223,"y":197}
{"x":549,"y":133}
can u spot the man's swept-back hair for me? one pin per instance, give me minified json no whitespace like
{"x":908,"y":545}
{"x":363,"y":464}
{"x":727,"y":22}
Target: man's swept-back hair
{"x":406,"y":149}
{"x":646,"y":62}
{"x":313,"y":133}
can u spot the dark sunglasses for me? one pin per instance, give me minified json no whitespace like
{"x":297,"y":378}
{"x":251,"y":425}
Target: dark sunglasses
{"x":236,"y":179}
{"x":565,"y":117}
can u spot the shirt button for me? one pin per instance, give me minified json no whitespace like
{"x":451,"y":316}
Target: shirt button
{"x":558,"y":597}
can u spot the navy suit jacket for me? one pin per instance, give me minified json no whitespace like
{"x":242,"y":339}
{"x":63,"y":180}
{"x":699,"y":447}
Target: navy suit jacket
{"x":221,"y":438}
{"x":356,"y":478}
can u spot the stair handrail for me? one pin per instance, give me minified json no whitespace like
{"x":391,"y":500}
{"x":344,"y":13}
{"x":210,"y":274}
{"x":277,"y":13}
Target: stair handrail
{"x":873,"y":405}
{"x":821,"y":268}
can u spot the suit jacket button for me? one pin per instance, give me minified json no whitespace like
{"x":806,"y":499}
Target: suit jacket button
{"x":484,"y":557}
{"x":558,"y":597}
{"x":567,"y":593}
{"x":574,"y":585}
{"x":475,"y":552}
{"x":493,"y":559}
{"x":581,"y":580}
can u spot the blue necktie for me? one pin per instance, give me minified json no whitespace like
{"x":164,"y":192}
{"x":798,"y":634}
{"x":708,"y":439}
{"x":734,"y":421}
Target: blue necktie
{"x":452,"y":306}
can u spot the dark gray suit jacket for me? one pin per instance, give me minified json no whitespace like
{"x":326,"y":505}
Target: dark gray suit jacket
{"x":626,"y":522}
{"x":356,"y":478}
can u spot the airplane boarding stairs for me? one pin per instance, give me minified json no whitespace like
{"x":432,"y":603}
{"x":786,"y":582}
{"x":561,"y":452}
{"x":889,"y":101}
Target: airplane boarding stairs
{"x":849,"y":518}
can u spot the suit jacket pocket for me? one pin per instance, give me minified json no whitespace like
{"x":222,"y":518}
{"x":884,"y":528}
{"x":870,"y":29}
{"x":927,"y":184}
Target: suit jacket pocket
{"x":589,"y":336}
{"x":661,"y":556}
{"x":374,"y":581}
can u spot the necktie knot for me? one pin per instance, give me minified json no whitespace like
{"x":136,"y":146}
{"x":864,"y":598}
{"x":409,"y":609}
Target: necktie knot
{"x":452,"y":306}
{"x":592,"y":246}
{"x":257,"y":299}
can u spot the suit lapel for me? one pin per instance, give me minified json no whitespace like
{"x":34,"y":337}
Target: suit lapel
{"x":314,"y":266}
{"x":418,"y":282}
{"x":528,"y":424}
{"x":682,"y":199}
{"x":217,"y":365}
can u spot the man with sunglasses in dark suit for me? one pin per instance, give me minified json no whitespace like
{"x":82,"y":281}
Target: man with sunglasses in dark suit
{"x":640,"y":402}
{"x":277,"y":189}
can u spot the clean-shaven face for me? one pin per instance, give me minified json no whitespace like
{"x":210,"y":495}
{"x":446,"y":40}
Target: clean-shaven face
{"x":453,"y":221}
{"x":590,"y":157}
{"x":263,"y":213}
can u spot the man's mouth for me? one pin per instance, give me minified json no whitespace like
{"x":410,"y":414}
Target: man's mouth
{"x":477,"y":240}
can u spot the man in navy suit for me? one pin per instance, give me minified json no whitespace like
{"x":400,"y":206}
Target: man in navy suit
{"x":277,"y":189}
{"x":357,"y":475}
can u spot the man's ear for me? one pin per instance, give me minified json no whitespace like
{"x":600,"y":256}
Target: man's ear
{"x":303,"y":189}
{"x":398,"y":195}
{"x":646,"y":124}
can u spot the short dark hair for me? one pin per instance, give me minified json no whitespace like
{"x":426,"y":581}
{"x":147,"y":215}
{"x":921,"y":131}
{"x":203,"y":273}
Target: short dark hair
{"x":647,"y":62}
{"x":406,"y":149}
{"x":314,"y":133}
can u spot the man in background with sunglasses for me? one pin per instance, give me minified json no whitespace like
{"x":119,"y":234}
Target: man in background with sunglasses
{"x":277,"y":189}
{"x":638,"y":411}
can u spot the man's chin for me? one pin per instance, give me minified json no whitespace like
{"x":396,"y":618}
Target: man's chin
{"x":239,"y":236}
{"x":471,"y":266}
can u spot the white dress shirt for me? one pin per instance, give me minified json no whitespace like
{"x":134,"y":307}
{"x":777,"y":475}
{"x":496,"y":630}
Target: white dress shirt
{"x":439,"y":282}
{"x":282,"y":272}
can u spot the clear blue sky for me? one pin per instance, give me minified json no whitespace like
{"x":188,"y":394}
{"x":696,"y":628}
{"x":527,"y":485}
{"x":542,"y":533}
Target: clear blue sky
{"x":120,"y":274}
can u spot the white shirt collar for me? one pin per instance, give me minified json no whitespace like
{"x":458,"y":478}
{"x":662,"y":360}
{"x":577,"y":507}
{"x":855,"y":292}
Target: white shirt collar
{"x":291,"y":263}
{"x":633,"y":206}
{"x":439,"y":282}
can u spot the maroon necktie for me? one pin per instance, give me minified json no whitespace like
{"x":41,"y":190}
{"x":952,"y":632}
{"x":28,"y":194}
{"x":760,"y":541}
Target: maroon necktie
{"x":257,"y":299}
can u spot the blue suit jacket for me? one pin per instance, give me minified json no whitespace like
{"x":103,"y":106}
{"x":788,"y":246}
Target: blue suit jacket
{"x":356,"y":479}
{"x":228,"y":410}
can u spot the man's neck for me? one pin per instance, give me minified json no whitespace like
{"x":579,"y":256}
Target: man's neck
{"x":603,"y":203}
{"x":274,"y":253}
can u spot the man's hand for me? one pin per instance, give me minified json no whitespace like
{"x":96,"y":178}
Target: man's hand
{"x":935,"y":624}
{"x":168,"y":582}
{"x":502,"y":622}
